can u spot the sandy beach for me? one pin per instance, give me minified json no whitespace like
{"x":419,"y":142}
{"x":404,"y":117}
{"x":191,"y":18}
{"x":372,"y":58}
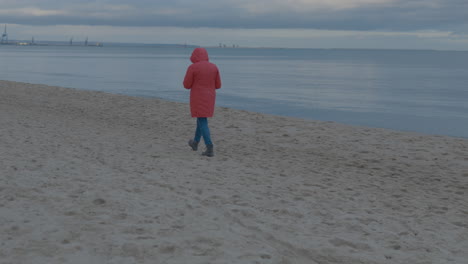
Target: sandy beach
{"x":91,"y":177}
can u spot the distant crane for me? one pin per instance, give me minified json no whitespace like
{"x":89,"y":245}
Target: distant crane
{"x":5,"y":36}
{"x":86,"y":42}
{"x":71,"y":41}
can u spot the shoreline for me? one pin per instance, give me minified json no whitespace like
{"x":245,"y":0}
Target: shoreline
{"x":101,"y":177}
{"x":363,"y":120}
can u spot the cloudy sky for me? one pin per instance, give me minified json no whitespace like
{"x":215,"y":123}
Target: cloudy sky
{"x":424,"y":24}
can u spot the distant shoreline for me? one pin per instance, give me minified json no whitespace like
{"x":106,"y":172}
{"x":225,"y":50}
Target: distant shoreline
{"x":118,"y":44}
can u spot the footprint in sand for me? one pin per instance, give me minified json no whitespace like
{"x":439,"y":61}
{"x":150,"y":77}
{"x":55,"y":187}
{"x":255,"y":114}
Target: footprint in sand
{"x":203,"y":246}
{"x":338,"y":242}
{"x":167,"y":249}
{"x":99,"y":201}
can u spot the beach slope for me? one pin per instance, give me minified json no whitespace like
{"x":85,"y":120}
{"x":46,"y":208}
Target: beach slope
{"x":90,"y":177}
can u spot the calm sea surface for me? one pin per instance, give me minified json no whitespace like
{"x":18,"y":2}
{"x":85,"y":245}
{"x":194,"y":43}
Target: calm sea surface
{"x":422,"y":91}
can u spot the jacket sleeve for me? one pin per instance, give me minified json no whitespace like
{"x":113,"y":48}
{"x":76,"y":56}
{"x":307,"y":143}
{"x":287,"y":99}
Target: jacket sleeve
{"x":218,"y":80}
{"x":188,"y":80}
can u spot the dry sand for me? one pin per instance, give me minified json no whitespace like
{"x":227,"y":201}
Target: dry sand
{"x":90,"y":177}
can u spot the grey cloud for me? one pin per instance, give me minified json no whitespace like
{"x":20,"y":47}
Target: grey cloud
{"x":403,"y":15}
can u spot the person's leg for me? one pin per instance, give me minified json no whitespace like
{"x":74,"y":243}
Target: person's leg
{"x":205,"y":130}
{"x":198,"y":133}
{"x":206,"y":137}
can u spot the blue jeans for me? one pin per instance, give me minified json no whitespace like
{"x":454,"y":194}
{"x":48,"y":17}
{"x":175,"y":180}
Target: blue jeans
{"x":203,"y":131}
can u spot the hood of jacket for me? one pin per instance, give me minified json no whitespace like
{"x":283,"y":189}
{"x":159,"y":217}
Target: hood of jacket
{"x":199,"y":54}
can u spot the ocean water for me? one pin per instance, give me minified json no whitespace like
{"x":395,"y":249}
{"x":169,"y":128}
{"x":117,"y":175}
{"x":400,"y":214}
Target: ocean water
{"x":407,"y":90}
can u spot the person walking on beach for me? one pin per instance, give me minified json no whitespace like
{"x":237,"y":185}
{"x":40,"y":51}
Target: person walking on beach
{"x":202,"y":78}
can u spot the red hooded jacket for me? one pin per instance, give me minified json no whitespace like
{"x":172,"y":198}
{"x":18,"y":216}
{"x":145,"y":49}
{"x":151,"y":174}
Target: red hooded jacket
{"x":202,"y":78}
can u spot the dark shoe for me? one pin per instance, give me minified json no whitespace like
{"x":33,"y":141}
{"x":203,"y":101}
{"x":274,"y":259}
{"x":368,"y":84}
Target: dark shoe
{"x":193,"y":144}
{"x":209,"y":151}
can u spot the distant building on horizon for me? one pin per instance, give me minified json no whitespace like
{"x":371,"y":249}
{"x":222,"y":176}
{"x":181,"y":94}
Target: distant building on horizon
{"x":4,"y":39}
